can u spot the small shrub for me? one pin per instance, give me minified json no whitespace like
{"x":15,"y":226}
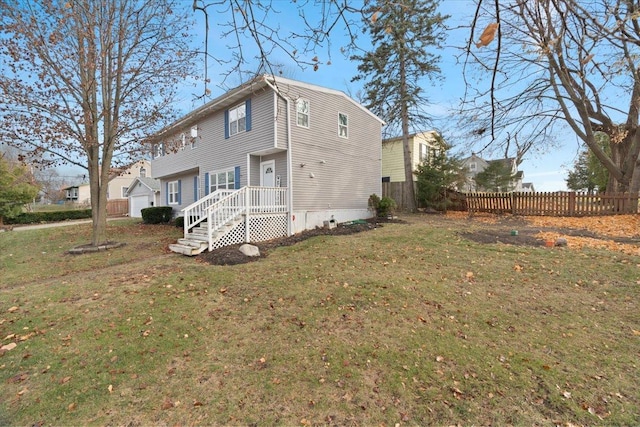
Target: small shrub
{"x":179,"y":222}
{"x":383,"y":207}
{"x":157,"y":215}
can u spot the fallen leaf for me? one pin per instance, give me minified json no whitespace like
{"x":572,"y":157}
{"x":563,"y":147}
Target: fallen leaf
{"x":9,"y":346}
{"x":65,"y":380}
{"x":110,"y":388}
{"x":167,"y":404}
{"x":72,"y":407}
{"x":13,"y":309}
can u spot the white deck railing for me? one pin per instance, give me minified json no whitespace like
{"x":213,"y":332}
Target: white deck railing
{"x":196,"y":212}
{"x":224,"y":206}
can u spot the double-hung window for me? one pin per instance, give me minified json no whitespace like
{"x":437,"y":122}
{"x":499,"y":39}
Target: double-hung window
{"x":158,"y":150}
{"x":343,"y":125}
{"x":173,"y":192}
{"x":222,"y":180}
{"x":424,"y":153}
{"x":237,"y":119}
{"x":302,"y":110}
{"x":194,"y":137}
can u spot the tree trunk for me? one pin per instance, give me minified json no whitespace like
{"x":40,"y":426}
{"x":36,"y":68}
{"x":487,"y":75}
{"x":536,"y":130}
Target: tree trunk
{"x":409,"y":190}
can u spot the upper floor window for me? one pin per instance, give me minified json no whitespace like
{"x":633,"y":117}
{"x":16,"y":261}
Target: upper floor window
{"x":158,"y":150}
{"x":424,"y":153}
{"x":124,"y":192}
{"x":237,"y":119}
{"x":473,"y":166}
{"x":302,"y":109}
{"x":143,"y":172}
{"x":194,"y":136}
{"x":343,"y":125}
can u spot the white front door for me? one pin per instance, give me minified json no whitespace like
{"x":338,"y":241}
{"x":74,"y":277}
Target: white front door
{"x":268,"y":173}
{"x":267,"y":179}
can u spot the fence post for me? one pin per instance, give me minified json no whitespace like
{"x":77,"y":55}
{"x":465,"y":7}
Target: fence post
{"x":572,"y":203}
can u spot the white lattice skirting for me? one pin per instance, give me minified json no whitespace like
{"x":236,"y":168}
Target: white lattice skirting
{"x":261,"y":228}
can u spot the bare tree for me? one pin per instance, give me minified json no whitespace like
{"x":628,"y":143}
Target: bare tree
{"x":82,"y":82}
{"x":559,"y":62}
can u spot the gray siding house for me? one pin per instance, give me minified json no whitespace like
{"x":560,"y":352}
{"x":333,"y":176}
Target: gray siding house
{"x":269,"y":158}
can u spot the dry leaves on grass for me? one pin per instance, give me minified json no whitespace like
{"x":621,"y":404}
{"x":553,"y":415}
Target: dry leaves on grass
{"x":615,"y":226}
{"x":607,"y":228}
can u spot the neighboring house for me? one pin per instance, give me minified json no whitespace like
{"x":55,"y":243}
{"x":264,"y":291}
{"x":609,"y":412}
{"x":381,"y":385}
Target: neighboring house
{"x":79,"y":194}
{"x":120,"y":179}
{"x":269,"y":158}
{"x":144,"y":192}
{"x":424,"y":145}
{"x":527,"y":187}
{"x":475,"y":164}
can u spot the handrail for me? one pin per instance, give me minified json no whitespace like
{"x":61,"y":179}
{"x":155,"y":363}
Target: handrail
{"x":195,"y":213}
{"x":225,"y":210}
{"x":223,"y":206}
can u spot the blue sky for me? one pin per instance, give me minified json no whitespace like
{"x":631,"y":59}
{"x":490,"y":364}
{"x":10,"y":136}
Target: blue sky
{"x":547,"y":170}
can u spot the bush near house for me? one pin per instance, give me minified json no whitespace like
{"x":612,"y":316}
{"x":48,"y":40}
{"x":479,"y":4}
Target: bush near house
{"x":383,"y":207}
{"x":157,"y":215}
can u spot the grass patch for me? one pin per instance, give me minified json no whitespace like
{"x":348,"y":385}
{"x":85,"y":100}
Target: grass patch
{"x":408,"y":324}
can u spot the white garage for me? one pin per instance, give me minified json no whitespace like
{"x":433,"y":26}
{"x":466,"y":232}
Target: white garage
{"x":143,"y":193}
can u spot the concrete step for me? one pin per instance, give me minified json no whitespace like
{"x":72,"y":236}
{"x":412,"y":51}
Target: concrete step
{"x":197,"y":244}
{"x":182,"y":249}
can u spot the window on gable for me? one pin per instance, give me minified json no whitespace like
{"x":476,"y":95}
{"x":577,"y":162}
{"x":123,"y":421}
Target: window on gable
{"x":143,"y":172}
{"x":302,"y":109}
{"x":343,"y":125}
{"x":124,"y":192}
{"x":473,"y":166}
{"x":222,"y":180}
{"x":173,"y":190}
{"x":194,"y":136}
{"x":237,"y":119}
{"x":158,"y":150}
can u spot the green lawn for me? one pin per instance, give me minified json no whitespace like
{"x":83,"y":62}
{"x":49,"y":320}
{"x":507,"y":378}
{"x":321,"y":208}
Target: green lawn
{"x":407,"y":324}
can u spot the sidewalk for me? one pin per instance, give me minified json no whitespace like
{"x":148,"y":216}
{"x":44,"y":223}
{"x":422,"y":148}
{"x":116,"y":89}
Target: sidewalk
{"x":20,"y":227}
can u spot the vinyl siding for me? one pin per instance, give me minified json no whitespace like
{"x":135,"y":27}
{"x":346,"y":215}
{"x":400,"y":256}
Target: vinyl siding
{"x":213,"y":151}
{"x":393,"y":160}
{"x":345,"y":171}
{"x":393,"y":155}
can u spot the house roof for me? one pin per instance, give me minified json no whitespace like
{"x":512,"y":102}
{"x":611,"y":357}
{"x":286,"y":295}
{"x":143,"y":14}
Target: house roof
{"x":258,"y":84}
{"x":151,"y":183}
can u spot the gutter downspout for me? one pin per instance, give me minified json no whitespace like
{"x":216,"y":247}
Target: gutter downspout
{"x":289,"y":158}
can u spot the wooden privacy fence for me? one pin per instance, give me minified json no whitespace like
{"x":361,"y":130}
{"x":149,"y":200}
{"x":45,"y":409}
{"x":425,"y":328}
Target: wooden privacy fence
{"x":118,"y":207}
{"x":553,"y":204}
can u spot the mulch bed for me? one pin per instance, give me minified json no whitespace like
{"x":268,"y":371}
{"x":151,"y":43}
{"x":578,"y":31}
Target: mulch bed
{"x":230,"y":255}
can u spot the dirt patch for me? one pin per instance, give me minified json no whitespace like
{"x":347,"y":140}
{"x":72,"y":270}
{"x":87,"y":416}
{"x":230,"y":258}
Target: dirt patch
{"x":230,"y":255}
